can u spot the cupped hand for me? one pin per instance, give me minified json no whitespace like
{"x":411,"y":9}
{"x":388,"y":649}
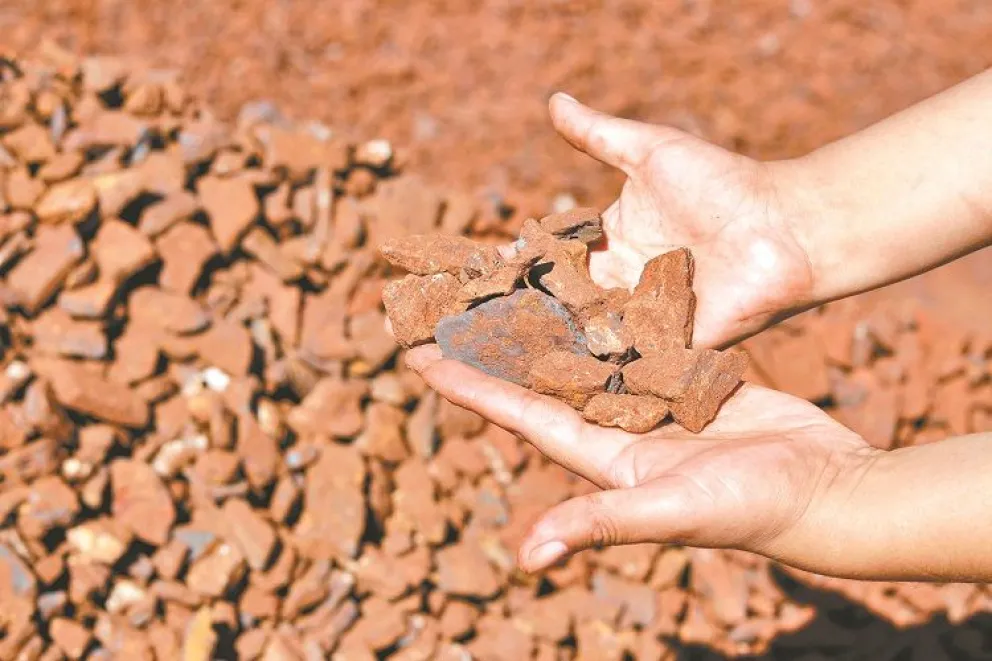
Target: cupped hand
{"x":741,"y":218}
{"x":767,"y":475}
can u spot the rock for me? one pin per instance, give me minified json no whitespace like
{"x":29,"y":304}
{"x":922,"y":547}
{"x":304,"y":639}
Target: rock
{"x":68,"y":202}
{"x":333,"y":517}
{"x":51,"y":504}
{"x":501,"y":281}
{"x":634,"y":413}
{"x":660,"y":313}
{"x":568,"y":279}
{"x":120,"y":251}
{"x":106,"y":400}
{"x":140,"y":500}
{"x":503,"y":337}
{"x":216,"y":571}
{"x":36,"y":277}
{"x":250,"y":532}
{"x":464,"y":570}
{"x":581,"y":224}
{"x":717,"y":375}
{"x":232,"y":207}
{"x":608,"y":338}
{"x":427,"y":254}
{"x":668,"y":375}
{"x":101,"y":540}
{"x":332,"y":408}
{"x":70,"y":637}
{"x":416,"y":304}
{"x":162,"y":215}
{"x":572,"y":378}
{"x":176,"y":313}
{"x":200,"y":639}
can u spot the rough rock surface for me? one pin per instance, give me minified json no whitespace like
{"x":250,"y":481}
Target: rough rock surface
{"x":503,"y":337}
{"x":572,"y":378}
{"x":633,"y":413}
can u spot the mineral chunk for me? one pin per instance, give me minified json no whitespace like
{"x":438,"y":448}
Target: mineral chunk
{"x":572,"y":378}
{"x":505,"y":336}
{"x":717,"y":374}
{"x":634,"y":413}
{"x":659,"y":315}
{"x":426,"y":254}
{"x":582,"y":224}
{"x":416,"y":304}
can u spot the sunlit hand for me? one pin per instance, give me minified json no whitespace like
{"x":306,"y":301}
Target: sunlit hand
{"x":739,"y":217}
{"x":764,"y":476}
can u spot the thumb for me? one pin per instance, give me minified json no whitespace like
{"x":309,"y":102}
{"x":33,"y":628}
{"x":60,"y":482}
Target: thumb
{"x":620,"y":143}
{"x":659,"y":512}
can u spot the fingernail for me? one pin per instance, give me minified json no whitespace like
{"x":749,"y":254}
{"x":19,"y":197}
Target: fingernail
{"x":567,"y":97}
{"x":546,"y":554}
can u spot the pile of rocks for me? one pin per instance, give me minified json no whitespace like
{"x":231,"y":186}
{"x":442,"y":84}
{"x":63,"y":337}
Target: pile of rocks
{"x":208,"y":445}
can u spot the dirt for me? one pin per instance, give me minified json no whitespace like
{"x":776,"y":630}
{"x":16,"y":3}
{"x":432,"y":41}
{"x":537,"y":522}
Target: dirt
{"x":831,"y":65}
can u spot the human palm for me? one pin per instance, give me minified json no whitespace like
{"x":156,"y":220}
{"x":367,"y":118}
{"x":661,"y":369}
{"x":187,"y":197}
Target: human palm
{"x":751,"y":266}
{"x":756,"y":478}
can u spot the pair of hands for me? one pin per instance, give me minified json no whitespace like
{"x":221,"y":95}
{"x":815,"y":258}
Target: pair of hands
{"x":772,"y":469}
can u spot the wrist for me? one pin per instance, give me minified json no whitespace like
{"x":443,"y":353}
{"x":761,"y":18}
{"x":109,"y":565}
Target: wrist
{"x":808,"y":213}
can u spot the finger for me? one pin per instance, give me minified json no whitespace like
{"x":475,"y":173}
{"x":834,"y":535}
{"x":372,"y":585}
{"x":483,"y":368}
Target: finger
{"x":621,"y":143}
{"x":657,"y":512}
{"x":553,"y":427}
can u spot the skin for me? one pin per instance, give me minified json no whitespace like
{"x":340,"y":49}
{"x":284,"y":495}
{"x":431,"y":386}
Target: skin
{"x":772,"y":474}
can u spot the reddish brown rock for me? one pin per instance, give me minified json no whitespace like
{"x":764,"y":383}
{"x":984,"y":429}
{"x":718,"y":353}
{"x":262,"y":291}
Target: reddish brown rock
{"x":83,"y":391}
{"x":717,"y":375}
{"x":176,"y":313}
{"x":608,"y":338}
{"x":333,"y":518}
{"x":416,"y":304}
{"x":438,"y":253}
{"x":162,"y":215}
{"x":70,"y":637}
{"x":582,"y":224}
{"x":332,"y":408}
{"x":464,"y":570}
{"x":231,"y":205}
{"x":637,"y":414}
{"x":252,"y":534}
{"x":659,"y":316}
{"x":503,"y":337}
{"x":572,"y":378}
{"x":120,"y":251}
{"x":669,"y":374}
{"x":55,"y":332}
{"x":68,"y":202}
{"x":36,"y":277}
{"x":140,"y":500}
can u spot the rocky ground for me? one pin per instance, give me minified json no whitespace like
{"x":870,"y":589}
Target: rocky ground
{"x":209,"y":447}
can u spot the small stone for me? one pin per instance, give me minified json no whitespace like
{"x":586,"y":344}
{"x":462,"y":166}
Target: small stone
{"x":101,"y":540}
{"x":216,"y":571}
{"x":503,"y":337}
{"x":120,"y":250}
{"x":36,"y":277}
{"x":498,"y":282}
{"x":162,"y":215}
{"x":668,"y":375}
{"x":608,"y":338}
{"x":67,"y":202}
{"x":70,"y":637}
{"x":581,"y":224}
{"x":174,"y":312}
{"x":90,"y":301}
{"x":717,"y":375}
{"x":333,"y":519}
{"x":659,"y":316}
{"x":232,"y":207}
{"x":416,"y":304}
{"x":572,"y":378}
{"x":637,"y":414}
{"x":56,"y":332}
{"x":464,"y":570}
{"x":200,"y":639}
{"x":250,"y":532}
{"x":106,"y":400}
{"x":50,"y":504}
{"x":141,"y":501}
{"x":427,"y":254}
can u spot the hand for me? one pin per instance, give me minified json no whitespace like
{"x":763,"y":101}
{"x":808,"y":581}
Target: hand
{"x":741,"y":219}
{"x":772,"y":474}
